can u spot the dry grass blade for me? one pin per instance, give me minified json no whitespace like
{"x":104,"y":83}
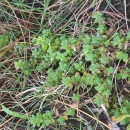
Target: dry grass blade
{"x":84,"y":114}
{"x":8,"y":47}
{"x":3,"y":50}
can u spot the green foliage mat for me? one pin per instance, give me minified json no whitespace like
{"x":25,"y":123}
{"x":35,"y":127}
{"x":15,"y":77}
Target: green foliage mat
{"x":98,"y":62}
